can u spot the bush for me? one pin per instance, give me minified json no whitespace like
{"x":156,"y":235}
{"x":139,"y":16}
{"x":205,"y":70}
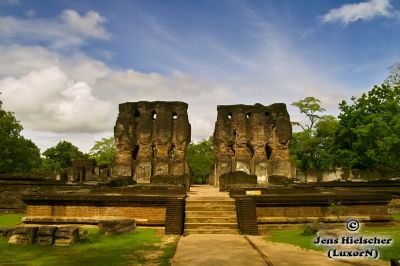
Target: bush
{"x":311,"y":229}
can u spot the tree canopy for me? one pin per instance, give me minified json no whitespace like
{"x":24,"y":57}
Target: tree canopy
{"x":365,"y":136}
{"x":314,"y":148}
{"x":17,"y":154}
{"x":310,"y":106}
{"x":61,"y":155}
{"x":369,"y":132}
{"x":200,"y":157}
{"x":103,"y":151}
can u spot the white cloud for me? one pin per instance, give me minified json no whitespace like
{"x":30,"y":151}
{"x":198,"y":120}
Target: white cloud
{"x":69,"y":29}
{"x":51,"y":93}
{"x":359,"y":11}
{"x":49,"y":100}
{"x":87,"y":25}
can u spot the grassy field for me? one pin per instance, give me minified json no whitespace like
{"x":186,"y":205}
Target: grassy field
{"x":10,"y":219}
{"x":396,"y":217}
{"x":138,"y":248}
{"x":295,"y":237}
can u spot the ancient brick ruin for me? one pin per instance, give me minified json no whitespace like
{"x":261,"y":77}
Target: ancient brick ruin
{"x":151,"y":139}
{"x":82,"y":170}
{"x":254,"y":139}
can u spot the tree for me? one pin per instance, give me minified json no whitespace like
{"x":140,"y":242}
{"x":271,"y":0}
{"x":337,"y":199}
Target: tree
{"x":336,"y":208}
{"x":325,"y":133}
{"x":309,"y":106}
{"x":61,"y":155}
{"x":103,"y":151}
{"x":394,"y":75}
{"x":17,"y":154}
{"x":312,"y":148}
{"x":200,"y":157}
{"x":369,"y":133}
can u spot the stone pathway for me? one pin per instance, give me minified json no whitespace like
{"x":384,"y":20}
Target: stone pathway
{"x":218,"y":249}
{"x":287,"y":255}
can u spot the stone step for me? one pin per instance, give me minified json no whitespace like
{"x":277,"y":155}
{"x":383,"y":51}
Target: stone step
{"x":202,"y":201}
{"x":211,"y":231}
{"x":211,"y":226}
{"x":227,"y":214}
{"x":211,"y":208}
{"x":211,"y":219}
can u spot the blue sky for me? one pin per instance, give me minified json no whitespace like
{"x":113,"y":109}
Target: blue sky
{"x":71,"y":62}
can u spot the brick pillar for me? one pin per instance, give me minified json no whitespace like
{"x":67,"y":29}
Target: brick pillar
{"x":174,"y":218}
{"x":246,"y":216}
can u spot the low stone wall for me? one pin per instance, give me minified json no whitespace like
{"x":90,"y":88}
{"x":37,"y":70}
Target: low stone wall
{"x":145,"y":209}
{"x":280,"y":207}
{"x":314,"y":175}
{"x":11,"y":192}
{"x":142,"y":214}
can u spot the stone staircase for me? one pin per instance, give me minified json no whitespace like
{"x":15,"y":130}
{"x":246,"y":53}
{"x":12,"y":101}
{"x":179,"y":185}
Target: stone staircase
{"x":210,"y":216}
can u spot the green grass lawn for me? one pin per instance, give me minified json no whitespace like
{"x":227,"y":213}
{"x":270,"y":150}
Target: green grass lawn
{"x":124,"y":249}
{"x":396,"y":217}
{"x":8,"y":220}
{"x":295,"y":237}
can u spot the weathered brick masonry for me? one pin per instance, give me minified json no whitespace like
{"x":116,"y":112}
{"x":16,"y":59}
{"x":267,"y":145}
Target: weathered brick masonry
{"x":254,"y":139}
{"x":151,"y":139}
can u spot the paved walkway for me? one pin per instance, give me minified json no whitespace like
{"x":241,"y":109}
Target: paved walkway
{"x":238,"y":250}
{"x":210,"y":250}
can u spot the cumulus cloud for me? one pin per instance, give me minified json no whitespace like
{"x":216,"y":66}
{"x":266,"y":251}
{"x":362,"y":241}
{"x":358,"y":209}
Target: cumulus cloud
{"x":69,"y":29}
{"x":77,"y":94}
{"x":48,"y":100}
{"x":368,"y":10}
{"x":87,"y":25}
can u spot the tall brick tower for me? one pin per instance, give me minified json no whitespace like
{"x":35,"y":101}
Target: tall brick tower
{"x":151,"y":139}
{"x":254,"y":139}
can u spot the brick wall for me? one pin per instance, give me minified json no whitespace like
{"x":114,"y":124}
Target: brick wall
{"x":151,"y":214}
{"x":320,"y":211}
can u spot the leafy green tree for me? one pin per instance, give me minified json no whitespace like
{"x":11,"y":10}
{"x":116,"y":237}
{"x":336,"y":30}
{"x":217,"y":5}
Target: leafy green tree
{"x":369,"y":133}
{"x":103,"y":151}
{"x":200,"y":157}
{"x":312,"y":148}
{"x":17,"y":154}
{"x":302,"y":149}
{"x":310,"y":106}
{"x":325,"y":133}
{"x":61,"y":155}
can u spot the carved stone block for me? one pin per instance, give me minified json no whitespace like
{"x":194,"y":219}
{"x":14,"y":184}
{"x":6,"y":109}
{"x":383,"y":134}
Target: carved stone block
{"x":23,"y":235}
